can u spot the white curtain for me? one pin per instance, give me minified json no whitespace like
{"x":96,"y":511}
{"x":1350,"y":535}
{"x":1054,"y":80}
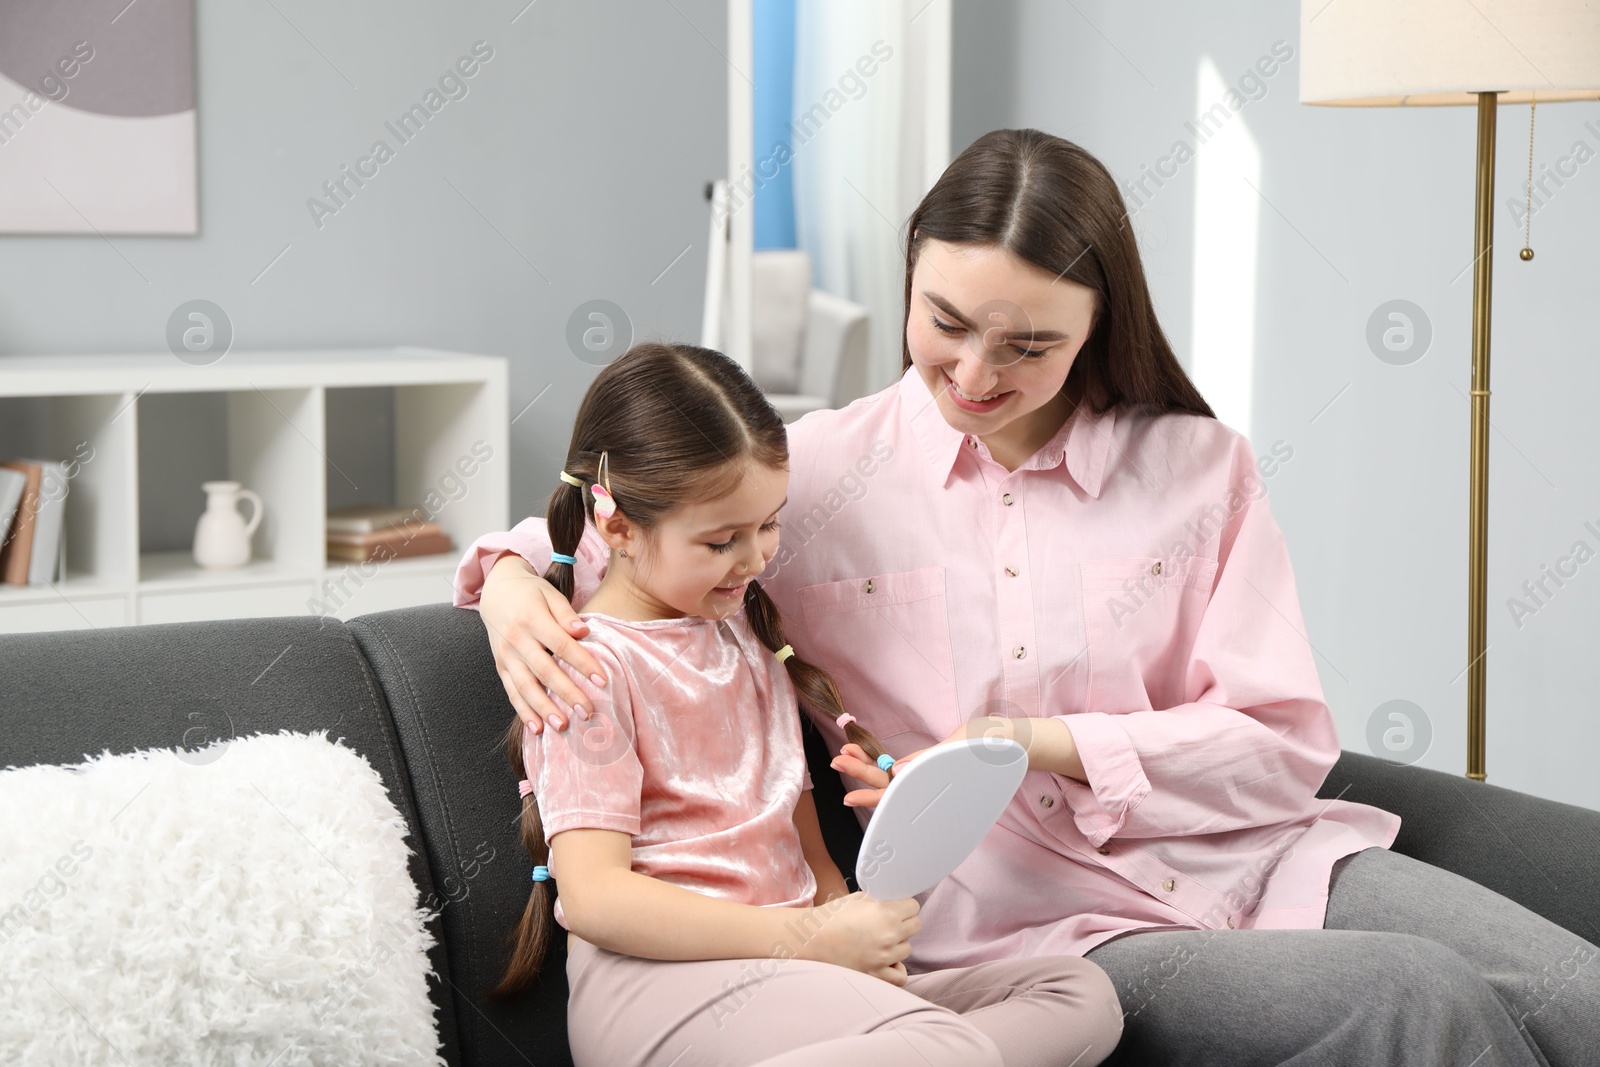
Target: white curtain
{"x":870,"y":135}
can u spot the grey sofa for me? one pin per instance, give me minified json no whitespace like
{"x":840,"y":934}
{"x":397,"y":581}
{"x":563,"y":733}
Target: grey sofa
{"x":415,"y":692}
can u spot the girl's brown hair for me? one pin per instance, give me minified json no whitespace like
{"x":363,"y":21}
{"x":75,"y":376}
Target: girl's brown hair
{"x":678,"y":424}
{"x":1052,"y":204}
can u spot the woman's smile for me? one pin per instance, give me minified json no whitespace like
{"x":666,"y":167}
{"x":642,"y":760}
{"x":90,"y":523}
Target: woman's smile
{"x":989,"y":401}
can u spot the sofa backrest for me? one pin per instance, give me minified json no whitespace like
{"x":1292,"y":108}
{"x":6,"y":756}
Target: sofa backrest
{"x":1540,"y":853}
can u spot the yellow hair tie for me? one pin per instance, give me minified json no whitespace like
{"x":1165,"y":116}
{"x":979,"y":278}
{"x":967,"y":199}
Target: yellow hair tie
{"x":785,"y":652}
{"x":570,"y":480}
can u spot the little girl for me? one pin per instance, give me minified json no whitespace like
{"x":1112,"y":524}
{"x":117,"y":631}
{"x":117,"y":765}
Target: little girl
{"x":706,"y":923}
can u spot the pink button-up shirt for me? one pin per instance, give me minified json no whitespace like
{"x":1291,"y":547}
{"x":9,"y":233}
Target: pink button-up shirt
{"x":1128,"y":579}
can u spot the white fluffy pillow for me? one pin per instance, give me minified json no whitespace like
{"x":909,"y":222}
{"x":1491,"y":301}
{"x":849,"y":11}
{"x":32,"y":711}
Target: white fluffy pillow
{"x":248,"y":903}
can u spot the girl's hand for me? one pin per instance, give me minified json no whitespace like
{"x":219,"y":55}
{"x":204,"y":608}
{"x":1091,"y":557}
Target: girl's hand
{"x":528,"y":619}
{"x":864,"y":934}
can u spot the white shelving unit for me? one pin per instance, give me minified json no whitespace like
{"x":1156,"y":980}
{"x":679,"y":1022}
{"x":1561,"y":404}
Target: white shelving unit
{"x":450,"y":452}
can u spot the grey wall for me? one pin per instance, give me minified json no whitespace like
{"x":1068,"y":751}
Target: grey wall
{"x":585,"y":142}
{"x":1374,"y":502}
{"x":577,"y":157}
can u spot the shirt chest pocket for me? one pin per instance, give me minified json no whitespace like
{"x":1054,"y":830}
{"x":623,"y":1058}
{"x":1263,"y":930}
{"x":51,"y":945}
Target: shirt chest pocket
{"x":1140,"y":617}
{"x":885,"y":638}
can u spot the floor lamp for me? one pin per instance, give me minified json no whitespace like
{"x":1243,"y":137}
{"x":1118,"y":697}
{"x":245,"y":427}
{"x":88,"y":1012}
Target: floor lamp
{"x":1407,"y":53}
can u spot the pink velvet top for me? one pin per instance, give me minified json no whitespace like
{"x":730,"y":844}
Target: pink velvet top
{"x":694,"y":750}
{"x":1127,"y":579}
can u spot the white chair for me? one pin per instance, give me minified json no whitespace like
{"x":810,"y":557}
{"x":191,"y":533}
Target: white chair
{"x":808,"y":348}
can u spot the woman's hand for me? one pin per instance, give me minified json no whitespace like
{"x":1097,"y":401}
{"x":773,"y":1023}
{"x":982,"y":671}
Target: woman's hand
{"x":852,"y":761}
{"x":864,"y":934}
{"x":528,"y":619}
{"x":1049,"y":744}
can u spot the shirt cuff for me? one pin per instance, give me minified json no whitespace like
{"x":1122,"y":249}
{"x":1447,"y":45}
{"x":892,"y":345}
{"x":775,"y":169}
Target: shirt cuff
{"x":592,"y":820}
{"x":527,"y":539}
{"x":1117,"y":782}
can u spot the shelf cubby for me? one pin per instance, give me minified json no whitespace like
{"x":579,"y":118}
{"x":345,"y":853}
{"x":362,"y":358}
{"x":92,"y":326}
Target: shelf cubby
{"x":148,"y":429}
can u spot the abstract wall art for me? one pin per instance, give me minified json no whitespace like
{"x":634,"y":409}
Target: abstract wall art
{"x":97,"y":117}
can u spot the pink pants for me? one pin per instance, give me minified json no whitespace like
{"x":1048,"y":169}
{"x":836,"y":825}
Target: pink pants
{"x":629,"y":1012}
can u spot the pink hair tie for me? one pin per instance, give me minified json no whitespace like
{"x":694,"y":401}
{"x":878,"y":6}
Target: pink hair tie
{"x":845,"y":718}
{"x":524,"y":787}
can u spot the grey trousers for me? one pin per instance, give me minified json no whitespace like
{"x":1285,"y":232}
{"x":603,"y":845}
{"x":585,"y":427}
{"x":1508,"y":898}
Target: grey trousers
{"x":1414,"y":965}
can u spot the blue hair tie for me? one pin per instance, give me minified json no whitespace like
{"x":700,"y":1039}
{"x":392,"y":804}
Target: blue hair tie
{"x":885,"y":761}
{"x":562,"y":557}
{"x":541,"y":874}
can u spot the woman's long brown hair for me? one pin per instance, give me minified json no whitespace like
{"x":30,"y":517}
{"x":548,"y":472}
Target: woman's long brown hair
{"x":679,"y":424}
{"x":1052,"y":204}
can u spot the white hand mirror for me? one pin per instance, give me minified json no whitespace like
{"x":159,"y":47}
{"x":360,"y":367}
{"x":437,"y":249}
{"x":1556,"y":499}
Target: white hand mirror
{"x":934,"y":813}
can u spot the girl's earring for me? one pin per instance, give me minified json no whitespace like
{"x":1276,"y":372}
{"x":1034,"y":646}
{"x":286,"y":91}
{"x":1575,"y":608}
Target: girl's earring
{"x":623,"y":553}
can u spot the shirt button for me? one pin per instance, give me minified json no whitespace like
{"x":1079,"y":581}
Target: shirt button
{"x":1006,"y":499}
{"x":1019,"y":652}
{"x":868,"y":587}
{"x":1230,"y":922}
{"x":1011,"y":571}
{"x":1048,"y":801}
{"x":1103,"y":851}
{"x":1156,"y":568}
{"x":1168,"y":885}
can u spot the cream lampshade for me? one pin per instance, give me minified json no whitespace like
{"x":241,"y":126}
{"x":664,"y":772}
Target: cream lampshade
{"x":1409,"y":53}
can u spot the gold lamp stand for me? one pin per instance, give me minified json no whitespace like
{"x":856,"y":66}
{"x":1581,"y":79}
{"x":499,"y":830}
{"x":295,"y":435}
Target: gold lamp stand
{"x":1478,"y":506}
{"x":1428,"y":53}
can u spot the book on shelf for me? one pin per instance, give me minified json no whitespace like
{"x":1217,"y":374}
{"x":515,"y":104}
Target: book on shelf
{"x":392,"y":535}
{"x":34,"y":551}
{"x":12,"y":485}
{"x":426,"y":544}
{"x":370,"y":518}
{"x":381,"y":532}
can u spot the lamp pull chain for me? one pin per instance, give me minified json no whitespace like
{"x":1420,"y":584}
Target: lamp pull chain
{"x":1527,"y":233}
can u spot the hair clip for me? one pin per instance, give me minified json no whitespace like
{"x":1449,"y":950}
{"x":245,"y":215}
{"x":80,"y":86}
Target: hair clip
{"x":604,"y":505}
{"x":784,"y":653}
{"x":524,"y":787}
{"x":562,"y":557}
{"x":885,"y":761}
{"x":541,"y":874}
{"x":845,"y":719}
{"x":570,"y":480}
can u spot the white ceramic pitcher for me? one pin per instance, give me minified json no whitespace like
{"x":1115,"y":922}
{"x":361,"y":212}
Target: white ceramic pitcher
{"x":222,"y":537}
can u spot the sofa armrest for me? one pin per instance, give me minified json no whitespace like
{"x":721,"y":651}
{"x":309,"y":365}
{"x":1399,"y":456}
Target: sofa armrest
{"x":834,"y":362}
{"x":792,"y":406}
{"x":1540,"y":853}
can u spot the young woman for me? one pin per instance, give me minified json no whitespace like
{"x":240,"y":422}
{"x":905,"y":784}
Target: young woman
{"x":706,"y":922}
{"x":1041,"y":530}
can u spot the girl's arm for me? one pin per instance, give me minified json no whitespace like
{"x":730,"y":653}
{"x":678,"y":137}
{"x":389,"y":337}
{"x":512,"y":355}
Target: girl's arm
{"x":830,"y":883}
{"x":610,"y":905}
